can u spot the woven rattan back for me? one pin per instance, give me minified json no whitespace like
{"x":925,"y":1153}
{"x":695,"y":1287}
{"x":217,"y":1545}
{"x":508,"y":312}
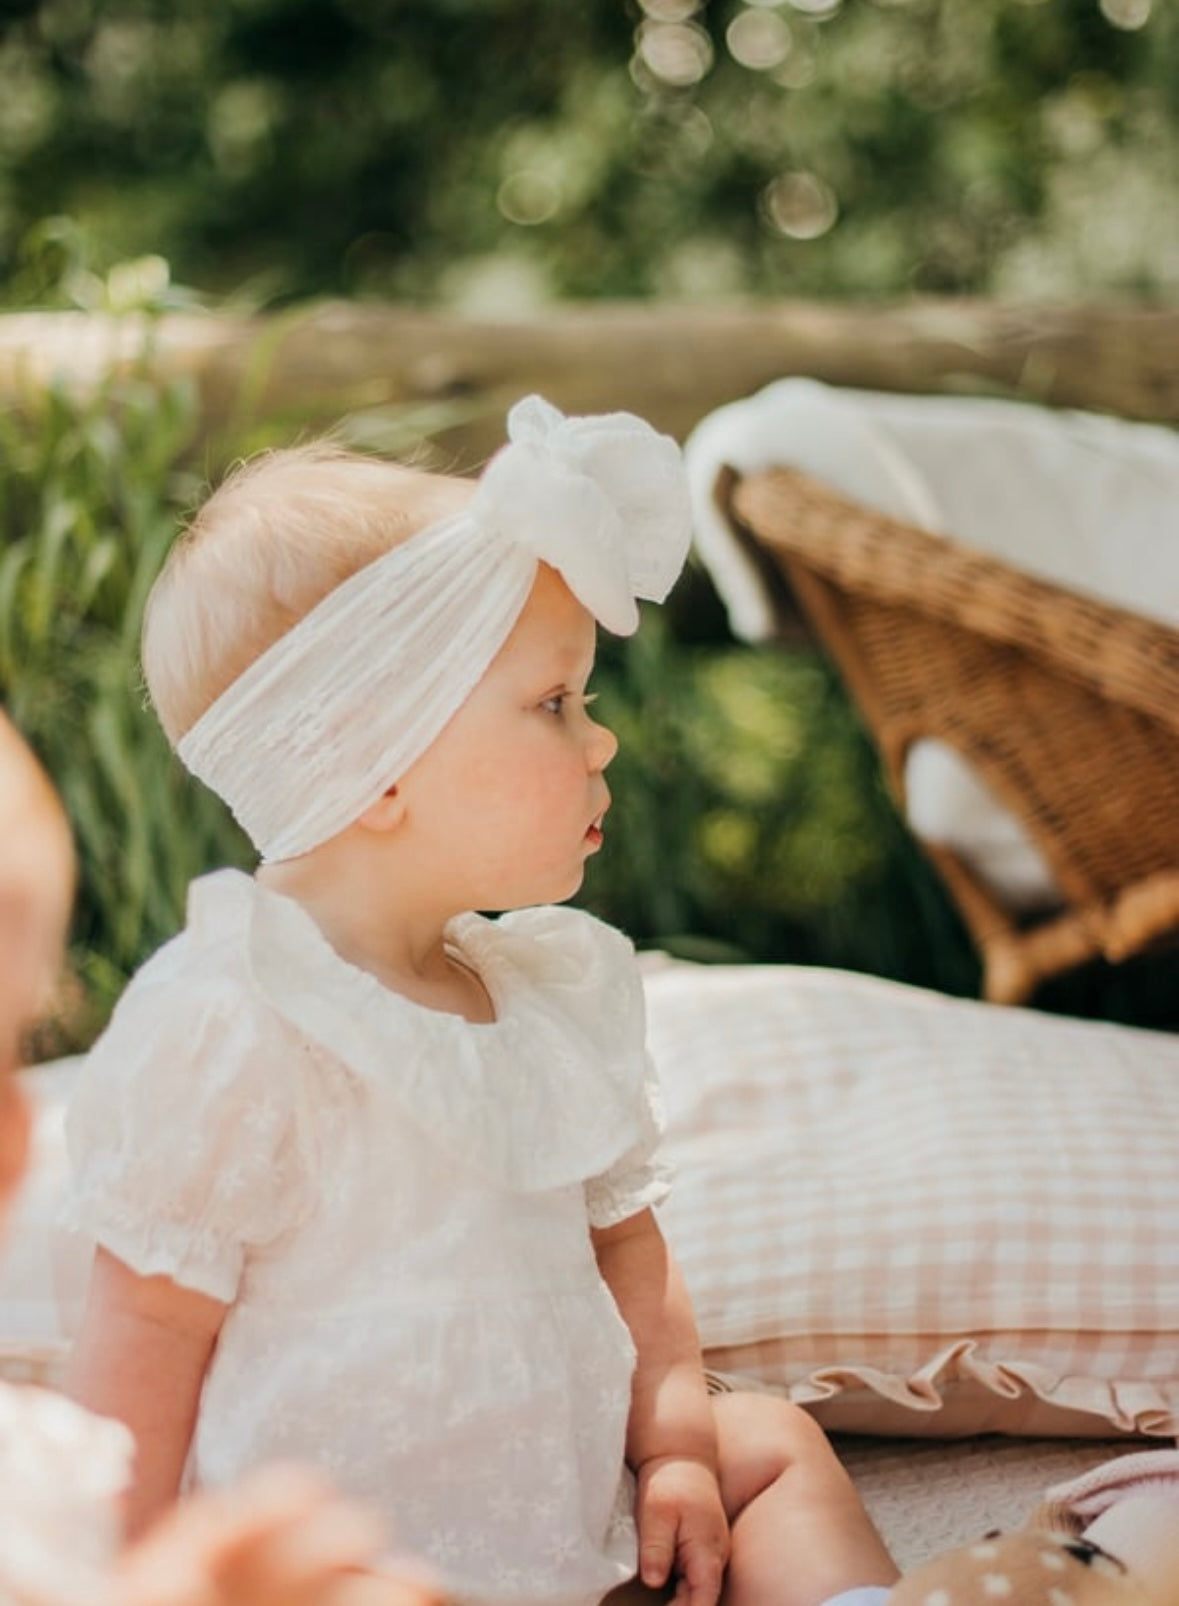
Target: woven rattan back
{"x":1067,"y":709}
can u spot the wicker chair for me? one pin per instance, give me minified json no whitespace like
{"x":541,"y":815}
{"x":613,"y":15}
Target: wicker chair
{"x":1067,"y":709}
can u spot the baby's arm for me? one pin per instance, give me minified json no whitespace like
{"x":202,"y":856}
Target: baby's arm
{"x":141,"y":1356}
{"x":671,"y":1436}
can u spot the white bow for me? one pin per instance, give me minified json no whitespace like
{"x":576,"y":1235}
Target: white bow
{"x":602,"y":499}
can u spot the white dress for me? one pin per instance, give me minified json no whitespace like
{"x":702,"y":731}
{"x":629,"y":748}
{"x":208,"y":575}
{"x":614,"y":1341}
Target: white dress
{"x":396,"y":1203}
{"x":63,"y":1474}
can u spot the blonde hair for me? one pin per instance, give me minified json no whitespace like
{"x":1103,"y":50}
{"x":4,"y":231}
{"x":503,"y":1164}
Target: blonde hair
{"x":279,"y":533}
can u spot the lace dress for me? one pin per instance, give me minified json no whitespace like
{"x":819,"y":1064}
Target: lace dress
{"x":396,"y":1203}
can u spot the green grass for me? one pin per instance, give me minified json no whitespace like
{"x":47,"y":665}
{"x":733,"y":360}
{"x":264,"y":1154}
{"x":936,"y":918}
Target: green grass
{"x":90,"y":497}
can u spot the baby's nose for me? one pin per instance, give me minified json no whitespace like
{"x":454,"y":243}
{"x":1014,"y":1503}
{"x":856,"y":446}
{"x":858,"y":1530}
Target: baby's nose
{"x":603,"y":744}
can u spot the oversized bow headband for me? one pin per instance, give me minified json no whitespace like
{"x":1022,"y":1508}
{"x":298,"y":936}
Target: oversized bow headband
{"x":337,"y":709}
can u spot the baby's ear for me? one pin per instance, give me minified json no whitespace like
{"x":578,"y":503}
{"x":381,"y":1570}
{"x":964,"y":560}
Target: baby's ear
{"x":1028,"y":1568}
{"x":385,"y":815}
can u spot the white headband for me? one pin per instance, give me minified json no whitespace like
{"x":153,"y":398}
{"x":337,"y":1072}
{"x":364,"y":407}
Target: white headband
{"x":337,"y":709}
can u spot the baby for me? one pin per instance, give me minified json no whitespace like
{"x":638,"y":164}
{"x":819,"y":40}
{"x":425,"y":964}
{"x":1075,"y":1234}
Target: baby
{"x":278,"y":1540}
{"x":372,"y":1174}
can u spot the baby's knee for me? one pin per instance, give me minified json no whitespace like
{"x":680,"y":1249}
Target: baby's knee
{"x":770,"y":1422}
{"x":761,"y":1437}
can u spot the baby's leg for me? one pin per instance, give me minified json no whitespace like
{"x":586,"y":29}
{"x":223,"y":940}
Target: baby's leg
{"x":800,"y":1534}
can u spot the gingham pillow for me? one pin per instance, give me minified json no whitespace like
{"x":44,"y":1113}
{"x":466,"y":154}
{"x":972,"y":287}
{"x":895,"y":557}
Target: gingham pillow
{"x":916,"y":1214}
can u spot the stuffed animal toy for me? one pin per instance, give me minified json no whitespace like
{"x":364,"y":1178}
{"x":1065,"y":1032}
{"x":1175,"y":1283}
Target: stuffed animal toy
{"x":1108,"y":1538}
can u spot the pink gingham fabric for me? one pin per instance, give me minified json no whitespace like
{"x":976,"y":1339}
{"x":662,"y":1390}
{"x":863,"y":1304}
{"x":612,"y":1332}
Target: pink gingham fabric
{"x":916,"y":1214}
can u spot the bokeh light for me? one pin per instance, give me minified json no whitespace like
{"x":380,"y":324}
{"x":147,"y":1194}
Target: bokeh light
{"x":799,"y":205}
{"x":677,"y":53}
{"x":758,"y":39}
{"x":1128,"y":14}
{"x":529,"y":196}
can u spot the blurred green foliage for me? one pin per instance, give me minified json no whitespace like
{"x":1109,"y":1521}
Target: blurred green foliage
{"x":90,"y":495}
{"x":490,"y":153}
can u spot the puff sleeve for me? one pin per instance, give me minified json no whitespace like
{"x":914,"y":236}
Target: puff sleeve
{"x":638,"y":1179}
{"x":185,"y":1136}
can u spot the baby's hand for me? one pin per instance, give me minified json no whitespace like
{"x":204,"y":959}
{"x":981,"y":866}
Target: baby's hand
{"x":682,"y":1528}
{"x":277,"y":1539}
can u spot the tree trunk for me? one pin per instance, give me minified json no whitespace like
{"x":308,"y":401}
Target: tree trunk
{"x":429,"y":374}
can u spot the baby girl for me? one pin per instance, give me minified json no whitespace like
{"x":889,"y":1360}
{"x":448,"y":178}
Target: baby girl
{"x":372,"y":1174}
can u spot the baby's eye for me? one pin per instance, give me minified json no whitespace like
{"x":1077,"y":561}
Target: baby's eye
{"x":557,"y":702}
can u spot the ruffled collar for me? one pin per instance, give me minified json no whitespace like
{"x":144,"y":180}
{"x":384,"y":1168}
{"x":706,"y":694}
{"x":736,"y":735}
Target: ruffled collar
{"x":547,"y":1095}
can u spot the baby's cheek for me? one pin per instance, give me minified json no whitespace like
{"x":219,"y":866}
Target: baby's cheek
{"x":15,"y":1128}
